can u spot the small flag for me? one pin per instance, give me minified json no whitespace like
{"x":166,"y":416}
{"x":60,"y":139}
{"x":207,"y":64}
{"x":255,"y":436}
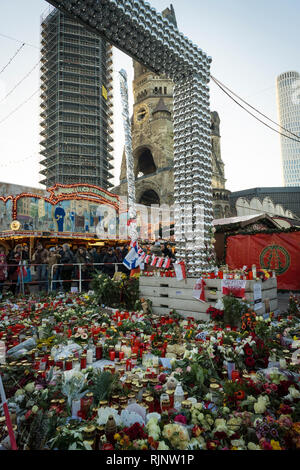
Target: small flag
{"x":130,"y":261}
{"x":147,"y":259}
{"x":167,"y":263}
{"x":180,"y":270}
{"x":104,"y":92}
{"x":154,"y":260}
{"x":160,"y":262}
{"x":199,"y":290}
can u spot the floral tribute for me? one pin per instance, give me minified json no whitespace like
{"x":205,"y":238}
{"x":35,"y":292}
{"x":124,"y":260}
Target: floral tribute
{"x":79,"y":375}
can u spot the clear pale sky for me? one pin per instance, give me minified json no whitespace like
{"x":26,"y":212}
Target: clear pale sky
{"x":251,"y":42}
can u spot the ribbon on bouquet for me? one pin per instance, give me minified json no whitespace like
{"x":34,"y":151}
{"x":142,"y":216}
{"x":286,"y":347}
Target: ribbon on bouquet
{"x":7,"y":417}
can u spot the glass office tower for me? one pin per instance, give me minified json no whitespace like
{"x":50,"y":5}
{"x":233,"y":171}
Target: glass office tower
{"x":288,"y":101}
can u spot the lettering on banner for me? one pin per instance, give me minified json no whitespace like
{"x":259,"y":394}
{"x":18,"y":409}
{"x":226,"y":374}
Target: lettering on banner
{"x":235,"y":287}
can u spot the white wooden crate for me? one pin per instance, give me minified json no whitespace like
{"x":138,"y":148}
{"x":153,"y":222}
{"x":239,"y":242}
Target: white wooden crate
{"x":168,"y":293}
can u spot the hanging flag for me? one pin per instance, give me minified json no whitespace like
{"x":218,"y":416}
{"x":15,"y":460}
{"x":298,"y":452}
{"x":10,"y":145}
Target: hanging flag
{"x":180,"y":270}
{"x":199,"y":290}
{"x":9,"y":426}
{"x":130,"y":261}
{"x":167,"y":263}
{"x":160,"y":262}
{"x":104,"y":92}
{"x":141,"y":256}
{"x":147,"y":259}
{"x":154,"y":260}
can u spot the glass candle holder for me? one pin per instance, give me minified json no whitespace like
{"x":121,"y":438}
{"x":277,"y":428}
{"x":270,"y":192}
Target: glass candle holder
{"x":83,"y":361}
{"x":164,"y":402}
{"x":99,"y":351}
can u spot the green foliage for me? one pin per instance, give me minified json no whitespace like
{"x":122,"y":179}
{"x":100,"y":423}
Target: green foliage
{"x":104,"y":385}
{"x":234,"y":308}
{"x":122,"y":293}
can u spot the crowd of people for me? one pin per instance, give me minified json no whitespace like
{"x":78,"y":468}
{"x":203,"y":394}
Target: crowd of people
{"x":56,"y":267}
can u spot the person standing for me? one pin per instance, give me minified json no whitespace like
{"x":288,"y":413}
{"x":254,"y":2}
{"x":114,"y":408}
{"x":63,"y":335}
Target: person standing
{"x":54,"y":271}
{"x":41,"y":258}
{"x":3,"y":269}
{"x":14,"y":261}
{"x":26,"y":264}
{"x":83,"y":258}
{"x":67,"y":260}
{"x":109,"y":261}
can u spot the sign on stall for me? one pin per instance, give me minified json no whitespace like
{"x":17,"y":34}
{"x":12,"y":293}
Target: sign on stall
{"x":257,"y":295}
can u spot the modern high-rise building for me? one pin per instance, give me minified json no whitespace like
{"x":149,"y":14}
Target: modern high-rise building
{"x":288,"y":101}
{"x":77,"y":104}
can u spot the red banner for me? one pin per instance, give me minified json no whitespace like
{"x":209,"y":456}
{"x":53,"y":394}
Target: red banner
{"x":274,"y":251}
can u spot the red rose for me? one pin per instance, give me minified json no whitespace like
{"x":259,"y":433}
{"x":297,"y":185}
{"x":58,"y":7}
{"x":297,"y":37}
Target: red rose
{"x":248,"y":350}
{"x":249,"y":361}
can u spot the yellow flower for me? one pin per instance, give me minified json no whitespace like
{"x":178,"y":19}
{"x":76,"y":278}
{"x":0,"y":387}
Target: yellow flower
{"x":122,"y":442}
{"x":234,"y":448}
{"x":117,"y":437}
{"x":275,"y":445}
{"x":144,"y":447}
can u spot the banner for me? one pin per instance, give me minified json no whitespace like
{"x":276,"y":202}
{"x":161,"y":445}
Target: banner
{"x":278,"y":252}
{"x":199,"y":290}
{"x":235,"y":287}
{"x":180,"y":271}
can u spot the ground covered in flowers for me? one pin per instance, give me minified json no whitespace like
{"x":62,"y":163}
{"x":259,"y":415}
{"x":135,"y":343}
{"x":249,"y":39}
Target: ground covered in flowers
{"x":80,"y":376}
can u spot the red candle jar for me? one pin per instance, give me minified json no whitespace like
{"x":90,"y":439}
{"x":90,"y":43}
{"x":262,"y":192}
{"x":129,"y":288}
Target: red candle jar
{"x":50,"y":362}
{"x":69,"y":364}
{"x":220,"y":274}
{"x":121,"y":355}
{"x":83,"y":361}
{"x":60,"y":363}
{"x":99,"y":351}
{"x":128,"y":364}
{"x":235,"y":375}
{"x":112,"y":355}
{"x":170,"y":393}
{"x":150,"y":402}
{"x":250,"y":275}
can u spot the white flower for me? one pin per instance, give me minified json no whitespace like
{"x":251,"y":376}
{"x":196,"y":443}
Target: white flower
{"x":261,"y":405}
{"x":30,"y":387}
{"x":252,"y":446}
{"x":162,"y":446}
{"x":293,"y":392}
{"x":238,"y":442}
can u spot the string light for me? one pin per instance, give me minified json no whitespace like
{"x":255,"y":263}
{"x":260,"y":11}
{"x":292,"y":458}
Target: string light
{"x":12,"y":58}
{"x":20,"y":106}
{"x":19,"y":83}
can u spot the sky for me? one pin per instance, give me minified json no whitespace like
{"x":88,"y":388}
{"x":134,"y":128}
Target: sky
{"x":250,"y":42}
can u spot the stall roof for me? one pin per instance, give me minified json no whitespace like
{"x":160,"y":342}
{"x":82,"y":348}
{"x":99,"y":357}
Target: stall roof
{"x":245,"y":220}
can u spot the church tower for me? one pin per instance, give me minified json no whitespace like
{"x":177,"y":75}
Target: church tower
{"x":152,"y":141}
{"x":152,"y":135}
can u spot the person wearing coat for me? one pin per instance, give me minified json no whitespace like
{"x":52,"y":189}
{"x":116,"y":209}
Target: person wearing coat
{"x":14,"y":260}
{"x":67,"y":259}
{"x":41,"y":258}
{"x":3,"y":269}
{"x":109,"y":261}
{"x":83,"y":257}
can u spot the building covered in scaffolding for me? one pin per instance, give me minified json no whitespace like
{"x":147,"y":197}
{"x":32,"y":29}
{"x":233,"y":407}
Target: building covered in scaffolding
{"x":77,"y":104}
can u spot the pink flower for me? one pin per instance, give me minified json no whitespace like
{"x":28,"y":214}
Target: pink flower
{"x":158,"y":387}
{"x":180,"y":419}
{"x":188,"y":369}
